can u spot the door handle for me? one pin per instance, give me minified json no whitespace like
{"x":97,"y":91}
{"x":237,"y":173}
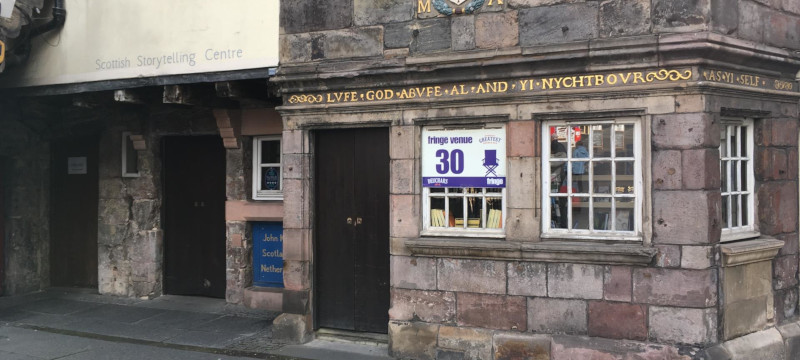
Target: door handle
{"x":349,"y":221}
{"x":359,"y":221}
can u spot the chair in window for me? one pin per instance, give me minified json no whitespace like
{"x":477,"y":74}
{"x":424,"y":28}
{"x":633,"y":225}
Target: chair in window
{"x":490,"y":162}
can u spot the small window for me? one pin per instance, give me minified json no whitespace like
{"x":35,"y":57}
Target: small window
{"x":267,"y":175}
{"x":130,"y":157}
{"x":592,"y":183}
{"x":464,"y":181}
{"x":737,"y":179}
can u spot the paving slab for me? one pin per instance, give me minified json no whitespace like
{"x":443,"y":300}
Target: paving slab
{"x":235,"y":324}
{"x":180,"y":320}
{"x":335,"y":350}
{"x":57,"y":306}
{"x":206,"y":339}
{"x":118,"y":313}
{"x":40,"y":344}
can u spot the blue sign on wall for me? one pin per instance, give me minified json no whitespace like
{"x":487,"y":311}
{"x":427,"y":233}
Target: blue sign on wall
{"x":268,"y":254}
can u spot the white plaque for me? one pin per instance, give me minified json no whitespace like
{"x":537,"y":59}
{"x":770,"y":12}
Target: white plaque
{"x":76,"y":165}
{"x":7,"y":8}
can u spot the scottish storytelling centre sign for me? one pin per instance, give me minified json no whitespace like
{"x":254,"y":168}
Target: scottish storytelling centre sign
{"x":464,"y":157}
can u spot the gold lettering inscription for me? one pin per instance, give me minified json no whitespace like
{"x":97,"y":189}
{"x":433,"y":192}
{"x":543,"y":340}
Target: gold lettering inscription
{"x":423,"y":6}
{"x":485,"y":88}
{"x":499,"y":2}
{"x":783,"y":85}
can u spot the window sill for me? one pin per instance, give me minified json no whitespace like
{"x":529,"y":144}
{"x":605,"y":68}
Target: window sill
{"x":750,"y":251}
{"x":551,"y":251}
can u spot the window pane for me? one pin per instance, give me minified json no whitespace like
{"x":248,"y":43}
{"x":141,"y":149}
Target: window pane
{"x":436,"y":190}
{"x":745,"y":220}
{"x":456,"y":211}
{"x":558,"y":176}
{"x":624,"y":177}
{"x":725,"y":206}
{"x":580,"y":213}
{"x":474,"y":212}
{"x":602,"y":215}
{"x":601,"y":140}
{"x":744,"y":176}
{"x":733,"y":141}
{"x":624,"y":140}
{"x":724,"y":175}
{"x":723,"y":143}
{"x":270,"y":152}
{"x":743,"y":141}
{"x":734,"y":210}
{"x":558,"y":212}
{"x":602,"y":177}
{"x":438,"y":216}
{"x":270,"y":178}
{"x":580,"y":176}
{"x":734,"y":171}
{"x":494,"y":190}
{"x":494,"y":213}
{"x":623,"y":219}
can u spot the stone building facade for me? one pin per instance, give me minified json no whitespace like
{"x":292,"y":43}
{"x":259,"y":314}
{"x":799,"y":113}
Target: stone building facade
{"x":675,"y":239}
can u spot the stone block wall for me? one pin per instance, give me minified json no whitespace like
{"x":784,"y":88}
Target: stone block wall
{"x":130,"y":241}
{"x":25,"y":158}
{"x":313,"y":30}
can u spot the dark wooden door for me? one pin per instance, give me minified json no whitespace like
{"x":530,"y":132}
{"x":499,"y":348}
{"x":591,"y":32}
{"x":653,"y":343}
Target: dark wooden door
{"x":74,"y":195}
{"x":352,"y":229}
{"x":194,"y":216}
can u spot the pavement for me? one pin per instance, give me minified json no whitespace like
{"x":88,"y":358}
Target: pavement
{"x":75,"y":324}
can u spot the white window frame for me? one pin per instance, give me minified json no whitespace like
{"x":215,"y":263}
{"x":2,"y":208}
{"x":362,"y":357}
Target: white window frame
{"x":126,"y":137}
{"x":588,"y":234}
{"x":259,"y":194}
{"x":734,"y":127}
{"x":465,"y":231}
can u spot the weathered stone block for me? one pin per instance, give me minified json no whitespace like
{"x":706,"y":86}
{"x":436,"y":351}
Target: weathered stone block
{"x":378,"y":12}
{"x":751,"y":21}
{"x":680,"y":15}
{"x":558,"y":24}
{"x":496,"y":30}
{"x":747,"y":281}
{"x":508,"y":346}
{"x":403,"y":176}
{"x":114,"y":211}
{"x":790,"y":244}
{"x":685,"y":131}
{"x":295,"y":48}
{"x":557,"y":316}
{"x":700,"y":169}
{"x":574,"y":347}
{"x":688,"y":288}
{"x":430,"y":35}
{"x":293,"y":142}
{"x":617,"y":320}
{"x":777,"y":207}
{"x":724,"y":15}
{"x":296,"y":275}
{"x":697,"y":257}
{"x":686,"y":217}
{"x":427,"y":306}
{"x":767,"y":344}
{"x":521,"y":177}
{"x":785,"y":305}
{"x":314,"y":15}
{"x":669,"y":256}
{"x":617,"y":283}
{"x":527,"y":278}
{"x":292,"y":328}
{"x":578,"y":281}
{"x":744,"y":316}
{"x":782,"y":30}
{"x":776,"y":132}
{"x":624,"y":18}
{"x":521,"y":224}
{"x":398,"y":35}
{"x":354,"y":42}
{"x":295,"y":212}
{"x":771,"y":164}
{"x":463,"y":32}
{"x":522,"y":137}
{"x":681,"y":325}
{"x":146,"y":213}
{"x":413,"y":272}
{"x":785,"y":271}
{"x":477,"y":276}
{"x":412,"y":340}
{"x":404,"y":215}
{"x":667,"y":170}
{"x":402,"y":142}
{"x":472,"y":343}
{"x":491,"y":311}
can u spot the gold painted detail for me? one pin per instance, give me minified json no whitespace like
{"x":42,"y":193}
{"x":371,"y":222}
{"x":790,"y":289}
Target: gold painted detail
{"x":748,"y":80}
{"x":522,"y":86}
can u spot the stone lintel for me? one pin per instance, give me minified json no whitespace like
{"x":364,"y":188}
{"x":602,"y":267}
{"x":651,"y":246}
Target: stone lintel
{"x":750,"y":251}
{"x":551,"y":251}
